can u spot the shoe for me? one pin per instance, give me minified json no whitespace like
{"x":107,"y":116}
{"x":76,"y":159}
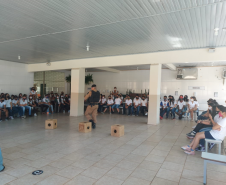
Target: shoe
{"x":161,"y":118}
{"x":6,"y":119}
{"x":93,"y":125}
{"x":194,"y":126}
{"x":35,"y":114}
{"x":192,"y":134}
{"x":211,"y":145}
{"x":186,"y":148}
{"x":189,"y":133}
{"x":68,"y":111}
{"x":23,"y":117}
{"x":3,"y":168}
{"x":200,"y":149}
{"x":183,"y":116}
{"x":102,"y":112}
{"x":11,"y":117}
{"x":190,"y":152}
{"x":146,"y":114}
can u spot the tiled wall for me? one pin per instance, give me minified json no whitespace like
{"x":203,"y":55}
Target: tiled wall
{"x":209,"y":77}
{"x":14,"y":78}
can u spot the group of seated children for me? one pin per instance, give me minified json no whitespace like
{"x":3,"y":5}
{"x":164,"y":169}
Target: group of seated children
{"x":16,"y":105}
{"x":211,"y":124}
{"x":115,"y":101}
{"x":183,"y":107}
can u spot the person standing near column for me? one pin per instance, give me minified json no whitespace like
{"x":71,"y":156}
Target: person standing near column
{"x":2,"y":167}
{"x":94,"y":97}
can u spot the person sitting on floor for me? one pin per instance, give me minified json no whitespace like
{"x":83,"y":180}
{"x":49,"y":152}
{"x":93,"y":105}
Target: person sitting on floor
{"x":180,"y":107}
{"x":110,"y":102}
{"x":218,"y":132}
{"x":164,"y":106}
{"x":172,"y":107}
{"x":136,"y":105}
{"x":118,"y":102}
{"x":2,"y":167}
{"x":3,"y":109}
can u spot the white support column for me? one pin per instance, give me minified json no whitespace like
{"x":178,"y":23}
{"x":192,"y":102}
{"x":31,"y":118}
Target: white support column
{"x":154,"y":94}
{"x":77,"y":92}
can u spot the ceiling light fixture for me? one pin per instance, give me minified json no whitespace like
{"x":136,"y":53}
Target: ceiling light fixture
{"x":87,"y":47}
{"x":18,"y":57}
{"x":216,"y":31}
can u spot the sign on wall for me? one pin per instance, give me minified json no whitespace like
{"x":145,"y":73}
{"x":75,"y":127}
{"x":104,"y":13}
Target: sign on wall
{"x":196,"y":87}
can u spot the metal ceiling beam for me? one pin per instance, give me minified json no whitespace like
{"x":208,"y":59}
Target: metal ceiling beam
{"x":108,"y":69}
{"x":171,"y":67}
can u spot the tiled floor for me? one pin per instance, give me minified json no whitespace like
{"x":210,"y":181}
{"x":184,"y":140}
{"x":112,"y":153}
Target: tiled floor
{"x":146,"y":155}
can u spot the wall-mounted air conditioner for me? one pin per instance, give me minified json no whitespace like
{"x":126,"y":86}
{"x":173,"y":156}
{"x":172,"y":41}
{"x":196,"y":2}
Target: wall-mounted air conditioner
{"x":187,"y":74}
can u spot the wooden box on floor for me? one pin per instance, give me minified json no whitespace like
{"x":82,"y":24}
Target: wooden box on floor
{"x":51,"y":124}
{"x":117,"y":130}
{"x":85,"y":127}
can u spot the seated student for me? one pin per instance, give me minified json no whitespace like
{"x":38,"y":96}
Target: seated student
{"x":20,"y":96}
{"x":218,"y":132}
{"x":2,"y":167}
{"x":62,"y":104}
{"x":3,"y":109}
{"x":57,"y":103}
{"x":110,"y":102}
{"x":9,"y":105}
{"x":213,"y":113}
{"x":46,"y":101}
{"x":33,"y":93}
{"x":186,"y":100}
{"x":136,"y":105}
{"x":205,"y":114}
{"x":32,"y":104}
{"x":24,"y":105}
{"x":144,"y":105}
{"x":52,"y":99}
{"x":67,"y":103}
{"x":128,"y":105}
{"x":16,"y":108}
{"x":118,"y":102}
{"x":192,"y":107}
{"x":124,"y":103}
{"x":164,"y":106}
{"x":102,"y":103}
{"x":180,"y":107}
{"x":172,"y":107}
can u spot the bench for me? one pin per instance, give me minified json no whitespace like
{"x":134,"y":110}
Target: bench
{"x":218,"y":142}
{"x":214,"y":159}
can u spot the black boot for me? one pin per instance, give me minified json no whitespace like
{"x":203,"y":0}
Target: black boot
{"x":93,"y":124}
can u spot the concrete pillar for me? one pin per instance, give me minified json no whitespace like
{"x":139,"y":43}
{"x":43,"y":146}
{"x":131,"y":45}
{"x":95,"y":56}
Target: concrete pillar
{"x":77,"y":92}
{"x":154,"y":93}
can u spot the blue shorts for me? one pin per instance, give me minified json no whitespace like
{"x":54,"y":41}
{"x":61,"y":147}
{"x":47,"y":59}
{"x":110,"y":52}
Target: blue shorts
{"x":109,"y":106}
{"x":115,"y":106}
{"x":208,"y":135}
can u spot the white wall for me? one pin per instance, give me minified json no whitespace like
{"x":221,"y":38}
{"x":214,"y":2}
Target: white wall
{"x":14,"y":78}
{"x":210,"y":77}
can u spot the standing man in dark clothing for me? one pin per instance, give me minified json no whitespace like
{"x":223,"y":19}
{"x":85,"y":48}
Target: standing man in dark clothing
{"x":93,"y":98}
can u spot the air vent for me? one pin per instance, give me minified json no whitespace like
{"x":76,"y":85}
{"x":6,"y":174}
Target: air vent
{"x":187,"y":74}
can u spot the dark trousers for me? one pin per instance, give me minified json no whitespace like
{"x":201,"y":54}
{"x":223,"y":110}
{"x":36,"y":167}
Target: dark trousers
{"x":62,"y":107}
{"x":143,"y":109}
{"x":129,"y":110}
{"x":43,"y":107}
{"x":10,"y":111}
{"x":200,"y":126}
{"x":17,"y":110}
{"x":100,"y":108}
{"x":162,"y":112}
{"x":67,"y":107}
{"x":33,"y":110}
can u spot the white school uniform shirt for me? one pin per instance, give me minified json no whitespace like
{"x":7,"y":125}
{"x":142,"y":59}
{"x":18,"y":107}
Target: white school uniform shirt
{"x":122,"y":98}
{"x":46,"y":100}
{"x":33,"y":92}
{"x":103,"y":100}
{"x":137,"y":102}
{"x":172,"y":104}
{"x":110,"y":101}
{"x":217,"y":118}
{"x":197,"y":103}
{"x":2,"y":104}
{"x":129,"y":102}
{"x":222,"y":133}
{"x":117,"y":101}
{"x":8,"y":103}
{"x":143,"y":102}
{"x":23,"y":102}
{"x":15,"y":102}
{"x":30,"y":101}
{"x":181,"y":104}
{"x":192,"y":104}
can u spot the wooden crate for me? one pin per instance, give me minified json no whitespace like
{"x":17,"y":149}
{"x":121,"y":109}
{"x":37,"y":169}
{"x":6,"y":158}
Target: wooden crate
{"x":85,"y":127}
{"x":117,"y":130}
{"x":51,"y":124}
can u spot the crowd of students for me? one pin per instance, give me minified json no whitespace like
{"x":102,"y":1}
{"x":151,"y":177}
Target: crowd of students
{"x":15,"y":106}
{"x":211,"y":124}
{"x":183,"y":107}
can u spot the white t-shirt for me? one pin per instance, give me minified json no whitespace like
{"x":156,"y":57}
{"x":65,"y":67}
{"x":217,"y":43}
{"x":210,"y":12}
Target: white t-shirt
{"x":217,"y":118}
{"x":2,"y":104}
{"x":23,"y":102}
{"x":15,"y":102}
{"x":110,"y":101}
{"x":136,"y":102}
{"x":58,"y":100}
{"x":103,"y":100}
{"x":117,"y":101}
{"x":164,"y":103}
{"x":181,"y":104}
{"x":143,"y":102}
{"x":129,"y":102}
{"x":46,"y":100}
{"x":172,"y":104}
{"x":222,"y":133}
{"x":33,"y":92}
{"x":121,"y":97}
{"x":30,"y":101}
{"x":192,"y":104}
{"x":197,"y":103}
{"x":8,"y":103}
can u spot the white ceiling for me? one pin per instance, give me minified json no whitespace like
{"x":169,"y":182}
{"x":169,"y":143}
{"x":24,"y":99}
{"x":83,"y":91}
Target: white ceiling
{"x":41,"y":31}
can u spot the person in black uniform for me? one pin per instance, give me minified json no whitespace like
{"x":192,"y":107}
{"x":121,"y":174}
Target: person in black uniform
{"x":93,"y":98}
